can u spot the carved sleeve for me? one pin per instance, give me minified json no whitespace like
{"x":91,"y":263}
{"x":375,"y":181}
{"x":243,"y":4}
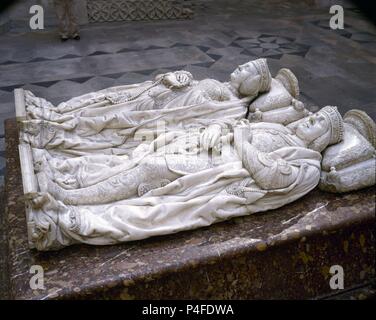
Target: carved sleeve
{"x":267,"y":169}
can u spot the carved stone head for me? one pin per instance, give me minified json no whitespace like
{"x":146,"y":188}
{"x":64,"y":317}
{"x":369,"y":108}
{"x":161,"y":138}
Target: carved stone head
{"x":321,"y":129}
{"x":252,"y":78}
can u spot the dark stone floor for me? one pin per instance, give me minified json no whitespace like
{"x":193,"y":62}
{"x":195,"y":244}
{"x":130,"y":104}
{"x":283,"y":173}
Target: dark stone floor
{"x":334,"y":67}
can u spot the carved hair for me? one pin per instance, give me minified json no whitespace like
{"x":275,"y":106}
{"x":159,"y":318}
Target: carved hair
{"x":250,"y":86}
{"x":320,"y":143}
{"x":258,"y":83}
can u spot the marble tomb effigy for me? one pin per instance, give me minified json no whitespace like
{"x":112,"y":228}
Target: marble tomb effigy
{"x":173,"y":154}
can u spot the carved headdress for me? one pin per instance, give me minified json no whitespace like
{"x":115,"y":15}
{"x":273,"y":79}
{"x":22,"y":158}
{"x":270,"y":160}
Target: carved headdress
{"x":262,"y":69}
{"x":336,"y":123}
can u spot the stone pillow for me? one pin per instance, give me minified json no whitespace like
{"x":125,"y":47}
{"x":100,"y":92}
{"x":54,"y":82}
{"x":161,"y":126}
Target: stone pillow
{"x":354,"y":148}
{"x":280,"y":104}
{"x":350,"y":165}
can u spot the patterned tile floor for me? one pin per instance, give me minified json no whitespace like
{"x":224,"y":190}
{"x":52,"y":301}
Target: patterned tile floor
{"x":335,"y":67}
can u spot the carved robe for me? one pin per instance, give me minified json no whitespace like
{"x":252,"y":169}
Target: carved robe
{"x":92,"y":123}
{"x":210,"y":189}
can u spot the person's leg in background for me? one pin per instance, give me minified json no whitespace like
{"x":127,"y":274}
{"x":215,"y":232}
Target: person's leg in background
{"x":62,"y":17}
{"x":72,"y":21}
{"x":68,"y":27}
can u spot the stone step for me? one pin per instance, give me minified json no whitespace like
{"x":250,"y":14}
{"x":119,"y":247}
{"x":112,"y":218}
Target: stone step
{"x":280,"y":254}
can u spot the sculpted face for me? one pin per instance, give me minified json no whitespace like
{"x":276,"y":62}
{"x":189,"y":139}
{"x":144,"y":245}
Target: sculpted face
{"x":241,"y":73}
{"x":314,"y":127}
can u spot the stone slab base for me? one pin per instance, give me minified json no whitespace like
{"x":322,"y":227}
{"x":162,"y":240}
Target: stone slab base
{"x":281,"y":254}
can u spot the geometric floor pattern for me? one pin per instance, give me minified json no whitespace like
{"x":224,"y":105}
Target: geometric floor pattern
{"x":331,"y":65}
{"x":271,"y":46}
{"x":348,"y":32}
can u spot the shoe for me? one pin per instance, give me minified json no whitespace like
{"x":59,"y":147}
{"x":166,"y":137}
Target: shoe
{"x":64,"y":38}
{"x":77,"y":37}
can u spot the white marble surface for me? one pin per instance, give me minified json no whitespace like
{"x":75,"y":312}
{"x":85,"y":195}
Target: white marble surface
{"x":351,"y":165}
{"x":171,"y":154}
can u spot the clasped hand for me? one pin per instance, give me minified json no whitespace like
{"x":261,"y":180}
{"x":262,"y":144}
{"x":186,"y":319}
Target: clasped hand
{"x":210,"y":137}
{"x":176,"y":79}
